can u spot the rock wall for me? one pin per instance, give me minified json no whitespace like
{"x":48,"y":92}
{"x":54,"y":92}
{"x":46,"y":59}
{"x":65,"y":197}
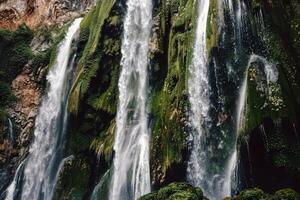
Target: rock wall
{"x":93,"y":99}
{"x":25,"y":57}
{"x":36,"y":13}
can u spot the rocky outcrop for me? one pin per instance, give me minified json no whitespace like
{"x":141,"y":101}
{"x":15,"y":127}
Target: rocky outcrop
{"x":184,"y":191}
{"x":23,"y":111}
{"x":35,"y":13}
{"x":176,"y":191}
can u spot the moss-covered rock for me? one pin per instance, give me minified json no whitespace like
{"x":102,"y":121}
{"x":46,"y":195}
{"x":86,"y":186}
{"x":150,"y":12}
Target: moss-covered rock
{"x":270,"y":145}
{"x":184,"y":191}
{"x":94,"y":94}
{"x":258,"y":194}
{"x":176,"y":191}
{"x":286,"y":194}
{"x":91,"y":57}
{"x":73,"y":179}
{"x":252,"y":194}
{"x":169,"y":98}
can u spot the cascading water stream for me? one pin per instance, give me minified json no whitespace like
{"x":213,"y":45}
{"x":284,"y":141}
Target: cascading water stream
{"x":231,"y":179}
{"x":198,"y":88}
{"x":271,"y":74}
{"x":131,"y":173}
{"x":10,"y":130}
{"x":12,"y":187}
{"x":216,"y":183}
{"x":45,"y":153}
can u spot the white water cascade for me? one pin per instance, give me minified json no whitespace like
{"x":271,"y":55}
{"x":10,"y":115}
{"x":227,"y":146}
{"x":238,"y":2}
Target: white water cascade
{"x":42,"y":164}
{"x":198,"y":88}
{"x":131,"y":173}
{"x":231,"y":179}
{"x":12,"y":187}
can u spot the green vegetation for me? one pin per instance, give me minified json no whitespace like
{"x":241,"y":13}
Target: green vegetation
{"x":53,"y":36}
{"x":95,"y":89}
{"x":184,"y":191}
{"x":93,"y":98}
{"x":280,"y":102}
{"x":258,"y":194}
{"x":90,"y":61}
{"x":169,"y":100}
{"x":15,"y":51}
{"x":14,"y":54}
{"x":73,"y":179}
{"x":176,"y":191}
{"x":212,"y":26}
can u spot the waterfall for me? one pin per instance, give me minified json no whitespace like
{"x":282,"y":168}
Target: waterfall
{"x":231,"y":177}
{"x":131,"y":173}
{"x":10,"y":130}
{"x":271,"y":75}
{"x":100,"y":190}
{"x":198,"y":88}
{"x":16,"y":181}
{"x":45,"y":153}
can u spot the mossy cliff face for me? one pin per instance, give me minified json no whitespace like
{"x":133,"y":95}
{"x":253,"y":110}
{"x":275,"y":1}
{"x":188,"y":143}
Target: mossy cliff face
{"x":269,"y":141}
{"x":269,"y":144}
{"x":170,"y":63}
{"x":94,"y":94}
{"x":93,"y":99}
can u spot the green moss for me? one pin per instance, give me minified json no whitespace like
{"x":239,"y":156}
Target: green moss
{"x":78,"y":142}
{"x":93,"y":98}
{"x":286,"y":194}
{"x":280,"y":105}
{"x":180,"y":191}
{"x":107,"y":100}
{"x":261,"y":102}
{"x":73,"y":179}
{"x":6,"y":95}
{"x":175,"y":191}
{"x":169,"y":100}
{"x":255,"y":100}
{"x":103,"y":145}
{"x":90,"y":59}
{"x":258,"y":194}
{"x":212,"y":26}
{"x":15,"y":52}
{"x":252,"y":194}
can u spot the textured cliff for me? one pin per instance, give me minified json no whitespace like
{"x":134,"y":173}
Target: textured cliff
{"x":94,"y":107}
{"x":270,"y":145}
{"x":25,"y":58}
{"x":267,"y":37}
{"x":35,"y":13}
